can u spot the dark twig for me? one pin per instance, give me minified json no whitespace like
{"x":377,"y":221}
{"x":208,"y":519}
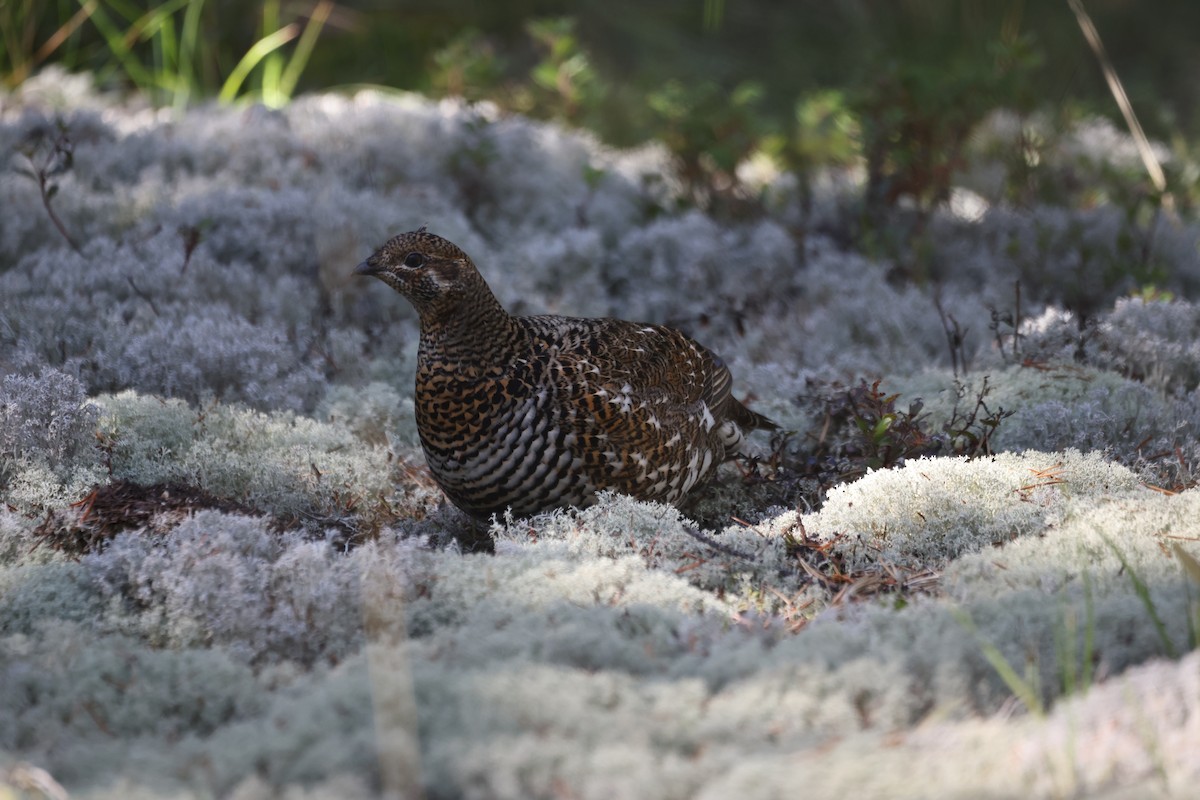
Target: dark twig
{"x":48,"y":193}
{"x":49,"y":155}
{"x":1017,"y":319}
{"x":192,"y":235}
{"x":955,"y":336}
{"x":715,"y":545}
{"x":143,"y":295}
{"x":1011,"y":320}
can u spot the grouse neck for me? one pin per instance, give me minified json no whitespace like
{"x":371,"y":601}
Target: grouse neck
{"x":476,"y":329}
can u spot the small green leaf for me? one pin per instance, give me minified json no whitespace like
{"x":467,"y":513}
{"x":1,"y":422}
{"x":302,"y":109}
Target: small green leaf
{"x":593,"y":175}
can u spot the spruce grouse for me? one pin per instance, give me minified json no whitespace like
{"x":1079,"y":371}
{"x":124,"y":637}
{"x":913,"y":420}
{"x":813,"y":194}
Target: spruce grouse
{"x":535,"y":413}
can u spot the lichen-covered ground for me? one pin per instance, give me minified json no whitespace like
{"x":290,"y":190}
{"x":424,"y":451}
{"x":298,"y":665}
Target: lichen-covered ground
{"x":224,"y":572}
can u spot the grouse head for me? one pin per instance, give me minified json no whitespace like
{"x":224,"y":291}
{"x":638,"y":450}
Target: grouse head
{"x":435,"y":275}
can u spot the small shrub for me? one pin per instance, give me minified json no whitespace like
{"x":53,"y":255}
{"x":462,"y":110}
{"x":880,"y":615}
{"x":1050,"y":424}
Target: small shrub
{"x":863,"y":429}
{"x":45,"y":418}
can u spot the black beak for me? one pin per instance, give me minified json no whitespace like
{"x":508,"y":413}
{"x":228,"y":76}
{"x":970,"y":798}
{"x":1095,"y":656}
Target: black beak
{"x":365,"y":268}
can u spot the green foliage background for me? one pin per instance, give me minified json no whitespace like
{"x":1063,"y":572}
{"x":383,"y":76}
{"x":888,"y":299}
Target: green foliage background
{"x":895,"y":87}
{"x":789,"y":49}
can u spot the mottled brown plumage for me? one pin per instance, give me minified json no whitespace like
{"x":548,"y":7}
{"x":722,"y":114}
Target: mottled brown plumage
{"x":534,"y":413}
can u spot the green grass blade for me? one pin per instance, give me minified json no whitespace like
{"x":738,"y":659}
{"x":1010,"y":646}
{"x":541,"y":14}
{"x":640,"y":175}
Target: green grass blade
{"x":165,"y":57}
{"x":129,"y":10}
{"x":1190,"y":565}
{"x":257,"y":52}
{"x":714,"y":15}
{"x":157,"y":26}
{"x":189,"y":36}
{"x":272,"y":66}
{"x":1089,"y":633}
{"x":1143,"y":593}
{"x":118,"y":47}
{"x":1064,"y":645}
{"x":1191,"y":568}
{"x":1023,"y":689}
{"x":304,"y":47}
{"x":155,"y":23}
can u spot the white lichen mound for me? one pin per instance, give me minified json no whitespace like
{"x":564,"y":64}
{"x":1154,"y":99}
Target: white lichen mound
{"x":933,"y":509}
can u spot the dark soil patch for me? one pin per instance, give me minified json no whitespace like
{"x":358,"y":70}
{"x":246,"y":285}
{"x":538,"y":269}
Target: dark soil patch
{"x":120,"y":506}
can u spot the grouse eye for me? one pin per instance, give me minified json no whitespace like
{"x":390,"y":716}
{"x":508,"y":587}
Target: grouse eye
{"x":414,"y":260}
